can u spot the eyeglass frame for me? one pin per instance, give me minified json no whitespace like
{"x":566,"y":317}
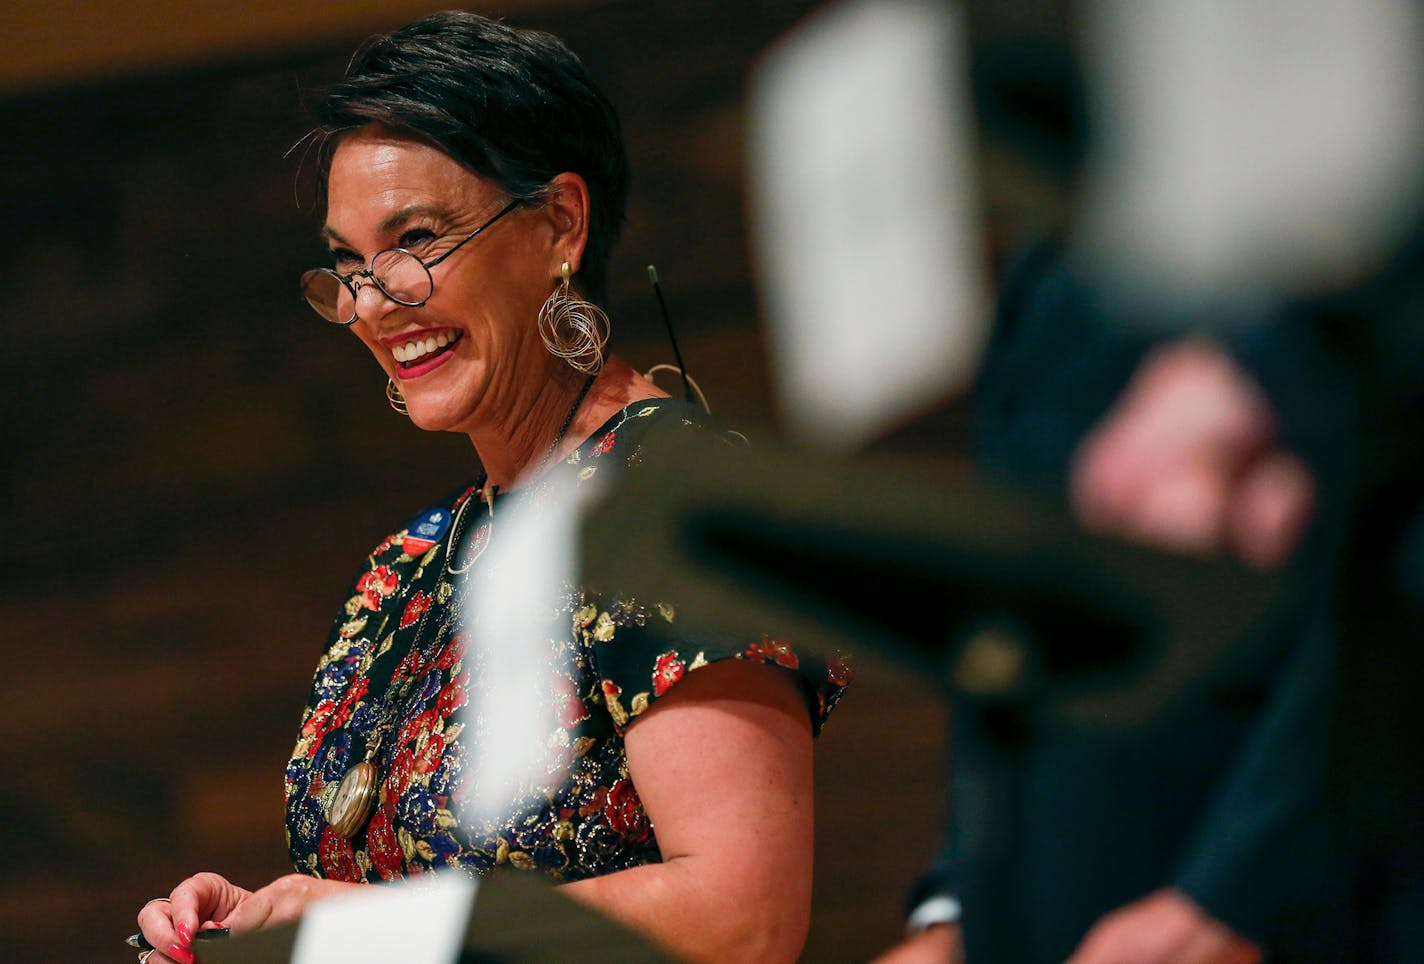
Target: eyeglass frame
{"x":355,"y":289}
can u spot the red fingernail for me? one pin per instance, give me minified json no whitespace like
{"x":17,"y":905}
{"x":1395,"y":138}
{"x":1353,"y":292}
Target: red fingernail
{"x":185,"y":933}
{"x":180,"y":954}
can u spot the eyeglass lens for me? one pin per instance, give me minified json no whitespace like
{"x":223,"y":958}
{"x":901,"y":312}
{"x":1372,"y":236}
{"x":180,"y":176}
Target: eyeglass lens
{"x":400,"y":274}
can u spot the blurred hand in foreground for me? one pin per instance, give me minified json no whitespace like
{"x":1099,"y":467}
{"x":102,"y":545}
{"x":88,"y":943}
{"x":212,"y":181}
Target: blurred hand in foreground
{"x":938,"y":944}
{"x":1187,"y":460}
{"x":1165,"y":927}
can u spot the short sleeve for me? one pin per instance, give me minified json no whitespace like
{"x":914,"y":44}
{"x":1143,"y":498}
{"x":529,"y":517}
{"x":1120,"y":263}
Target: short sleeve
{"x":640,"y":653}
{"x":639,"y":648}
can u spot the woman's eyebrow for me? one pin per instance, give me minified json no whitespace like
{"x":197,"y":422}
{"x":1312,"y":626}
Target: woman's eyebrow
{"x":391,"y":222}
{"x":400,"y":217}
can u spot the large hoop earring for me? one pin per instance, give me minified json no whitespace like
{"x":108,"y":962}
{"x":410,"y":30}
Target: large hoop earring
{"x":394,"y":396}
{"x":573,"y":329}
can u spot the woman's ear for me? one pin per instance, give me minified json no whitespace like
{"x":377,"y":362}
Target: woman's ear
{"x":566,"y":202}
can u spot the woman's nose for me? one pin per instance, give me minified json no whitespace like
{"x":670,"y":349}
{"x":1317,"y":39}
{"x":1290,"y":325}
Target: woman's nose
{"x":372,"y":305}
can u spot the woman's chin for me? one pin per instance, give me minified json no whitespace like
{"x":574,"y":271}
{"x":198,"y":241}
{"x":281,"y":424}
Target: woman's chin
{"x":432,"y":411}
{"x":429,"y":419}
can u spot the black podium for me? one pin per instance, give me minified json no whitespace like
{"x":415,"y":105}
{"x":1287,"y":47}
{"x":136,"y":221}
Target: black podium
{"x":999,"y":595}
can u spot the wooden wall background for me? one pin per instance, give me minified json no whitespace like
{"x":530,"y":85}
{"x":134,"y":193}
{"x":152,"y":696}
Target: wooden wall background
{"x":193,"y":465}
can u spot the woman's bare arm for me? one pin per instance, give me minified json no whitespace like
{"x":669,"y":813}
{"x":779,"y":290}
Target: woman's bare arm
{"x":722,"y":764}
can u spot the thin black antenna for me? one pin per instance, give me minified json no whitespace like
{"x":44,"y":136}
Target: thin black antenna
{"x":667,"y":321}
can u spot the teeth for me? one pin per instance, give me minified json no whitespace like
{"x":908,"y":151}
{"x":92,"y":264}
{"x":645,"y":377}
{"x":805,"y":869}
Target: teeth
{"x":414,"y":349}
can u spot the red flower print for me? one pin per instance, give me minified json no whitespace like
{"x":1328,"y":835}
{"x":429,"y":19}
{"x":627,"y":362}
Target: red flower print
{"x":333,"y":718}
{"x":624,"y":812}
{"x":611,"y":690}
{"x":416,"y":608}
{"x":348,"y":704}
{"x":338,"y":860}
{"x":330,"y":715}
{"x":596,"y":802}
{"x":428,"y":761}
{"x":453,"y":696}
{"x":398,"y":779}
{"x":771,"y":649}
{"x":453,"y":652}
{"x":383,"y":847}
{"x":605,"y":444}
{"x":422,"y":722}
{"x":411,"y":667}
{"x":667,"y":671}
{"x":376,"y":586}
{"x":316,"y":723}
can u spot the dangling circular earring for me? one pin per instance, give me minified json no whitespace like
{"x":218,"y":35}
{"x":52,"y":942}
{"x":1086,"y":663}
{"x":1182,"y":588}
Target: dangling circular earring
{"x":573,"y":329}
{"x":394,"y":396}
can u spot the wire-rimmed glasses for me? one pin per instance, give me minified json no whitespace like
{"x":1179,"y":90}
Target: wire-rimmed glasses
{"x":398,"y":273}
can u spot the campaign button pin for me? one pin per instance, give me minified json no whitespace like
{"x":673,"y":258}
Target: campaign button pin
{"x":425,"y":531}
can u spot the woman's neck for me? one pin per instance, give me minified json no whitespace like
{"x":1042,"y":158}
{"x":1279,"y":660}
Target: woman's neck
{"x":517,"y":449}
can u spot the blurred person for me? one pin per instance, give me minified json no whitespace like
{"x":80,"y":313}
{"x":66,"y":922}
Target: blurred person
{"x":1279,"y":817}
{"x":475,"y":181}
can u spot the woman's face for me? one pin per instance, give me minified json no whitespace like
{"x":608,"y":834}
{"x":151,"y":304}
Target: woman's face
{"x":465,"y":358}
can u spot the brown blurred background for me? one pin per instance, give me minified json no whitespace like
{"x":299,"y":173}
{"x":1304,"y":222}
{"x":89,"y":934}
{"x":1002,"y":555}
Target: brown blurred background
{"x":193,"y":464}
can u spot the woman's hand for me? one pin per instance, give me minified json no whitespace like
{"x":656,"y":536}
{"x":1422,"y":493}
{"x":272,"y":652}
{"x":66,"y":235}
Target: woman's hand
{"x":169,"y":924}
{"x":281,"y":902}
{"x":209,"y":900}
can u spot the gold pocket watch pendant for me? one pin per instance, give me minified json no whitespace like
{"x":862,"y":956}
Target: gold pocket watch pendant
{"x":355,"y":798}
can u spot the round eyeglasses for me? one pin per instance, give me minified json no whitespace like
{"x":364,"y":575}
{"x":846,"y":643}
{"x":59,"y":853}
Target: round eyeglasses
{"x":399,"y":274}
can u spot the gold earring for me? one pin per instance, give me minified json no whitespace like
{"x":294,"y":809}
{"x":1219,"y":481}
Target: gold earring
{"x":394,"y":396}
{"x":573,"y":329}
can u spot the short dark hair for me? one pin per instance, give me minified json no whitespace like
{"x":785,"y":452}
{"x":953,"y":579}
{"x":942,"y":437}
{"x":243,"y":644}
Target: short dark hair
{"x":514,"y":105}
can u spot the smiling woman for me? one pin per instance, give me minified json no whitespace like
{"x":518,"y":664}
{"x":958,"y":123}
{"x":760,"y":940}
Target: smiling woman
{"x":403,"y":206}
{"x":475,"y":183}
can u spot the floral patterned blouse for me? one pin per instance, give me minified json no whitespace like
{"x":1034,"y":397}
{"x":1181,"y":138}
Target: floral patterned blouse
{"x":397,"y":670}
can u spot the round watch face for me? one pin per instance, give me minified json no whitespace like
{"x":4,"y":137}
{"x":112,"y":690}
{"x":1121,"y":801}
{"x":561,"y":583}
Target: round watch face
{"x":354,"y":800}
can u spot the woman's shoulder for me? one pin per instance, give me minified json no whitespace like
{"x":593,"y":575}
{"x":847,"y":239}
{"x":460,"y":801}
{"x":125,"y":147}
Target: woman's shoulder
{"x":649,"y":421}
{"x":643,"y":414}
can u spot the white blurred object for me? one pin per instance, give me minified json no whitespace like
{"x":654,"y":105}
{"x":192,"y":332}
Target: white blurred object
{"x":1251,"y":144}
{"x":414,"y":922}
{"x":864,"y":215}
{"x":513,"y":598}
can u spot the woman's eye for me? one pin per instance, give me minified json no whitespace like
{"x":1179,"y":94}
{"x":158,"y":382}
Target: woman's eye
{"x":414,"y":238}
{"x":344,"y":259}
